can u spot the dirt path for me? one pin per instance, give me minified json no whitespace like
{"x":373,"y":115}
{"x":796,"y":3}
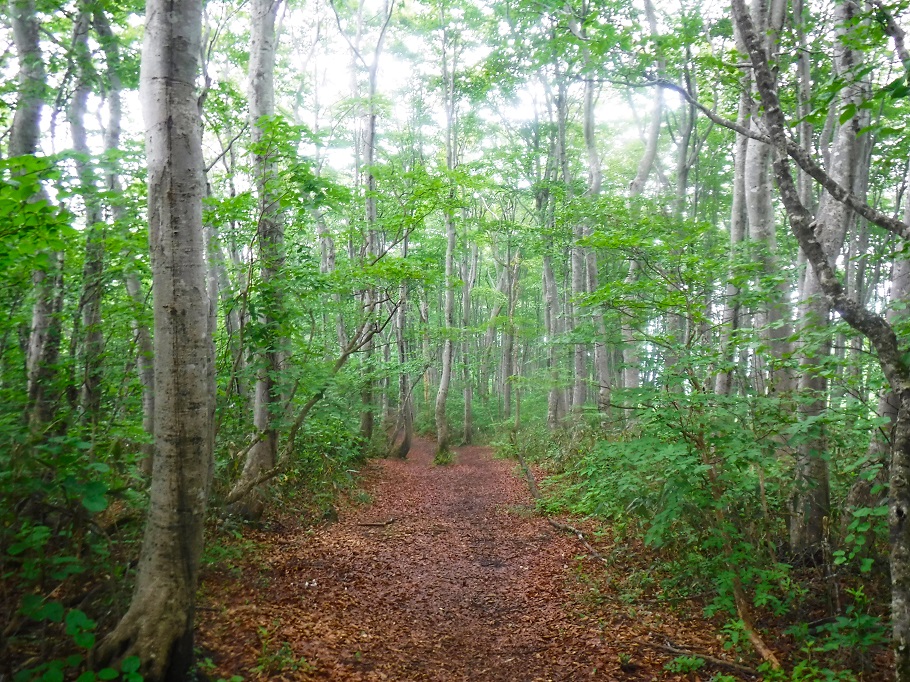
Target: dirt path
{"x":465,"y":584}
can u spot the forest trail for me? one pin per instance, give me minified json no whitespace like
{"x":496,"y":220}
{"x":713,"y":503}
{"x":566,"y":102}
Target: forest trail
{"x":465,"y":584}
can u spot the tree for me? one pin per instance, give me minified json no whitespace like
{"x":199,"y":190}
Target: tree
{"x":158,"y":627}
{"x":270,"y":241}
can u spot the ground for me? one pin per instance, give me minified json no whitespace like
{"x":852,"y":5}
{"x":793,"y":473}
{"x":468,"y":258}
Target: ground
{"x":446,"y":573}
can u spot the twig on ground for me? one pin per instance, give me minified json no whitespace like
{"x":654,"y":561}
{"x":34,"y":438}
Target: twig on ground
{"x":535,"y":493}
{"x":717,"y":662}
{"x":581,"y":538}
{"x":381,"y":524}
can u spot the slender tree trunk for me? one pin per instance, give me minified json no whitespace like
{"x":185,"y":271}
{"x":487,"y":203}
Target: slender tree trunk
{"x":144,"y":348}
{"x":631,"y":373}
{"x":92,"y":273}
{"x":811,"y":496}
{"x":442,"y":425}
{"x":730,"y":318}
{"x":469,"y":277}
{"x":490,"y":333}
{"x":771,"y":318}
{"x":555,"y":402}
{"x":145,"y":367}
{"x":601,"y":366}
{"x":401,"y":441}
{"x":270,"y":239}
{"x":44,"y":334}
{"x":158,"y":627}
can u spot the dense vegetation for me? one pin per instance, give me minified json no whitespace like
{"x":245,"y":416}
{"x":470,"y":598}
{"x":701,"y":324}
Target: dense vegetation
{"x":655,"y":248}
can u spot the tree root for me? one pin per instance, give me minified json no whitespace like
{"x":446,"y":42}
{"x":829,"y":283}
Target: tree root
{"x":156,"y":631}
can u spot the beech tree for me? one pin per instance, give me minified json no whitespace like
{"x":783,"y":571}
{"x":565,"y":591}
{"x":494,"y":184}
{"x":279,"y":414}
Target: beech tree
{"x":158,"y":627}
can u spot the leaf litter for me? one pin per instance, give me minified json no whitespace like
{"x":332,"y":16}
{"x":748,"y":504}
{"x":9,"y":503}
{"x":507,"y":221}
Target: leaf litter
{"x":446,"y":575}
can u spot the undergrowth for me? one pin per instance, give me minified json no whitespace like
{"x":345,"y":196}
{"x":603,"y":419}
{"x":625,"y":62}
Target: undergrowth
{"x":705,"y":484}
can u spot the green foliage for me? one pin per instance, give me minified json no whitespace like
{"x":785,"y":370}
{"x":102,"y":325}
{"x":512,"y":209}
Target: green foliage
{"x":275,"y":659}
{"x":685,"y":664}
{"x":81,"y":630}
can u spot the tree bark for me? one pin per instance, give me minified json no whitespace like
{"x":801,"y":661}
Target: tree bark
{"x":631,"y":374}
{"x":144,"y":347}
{"x":595,"y":177}
{"x":442,"y":425}
{"x":92,"y":272}
{"x":44,"y":333}
{"x":158,"y":627}
{"x":771,"y":318}
{"x":730,"y":318}
{"x":811,"y":503}
{"x":469,"y":277}
{"x":270,"y":239}
{"x":404,"y":430}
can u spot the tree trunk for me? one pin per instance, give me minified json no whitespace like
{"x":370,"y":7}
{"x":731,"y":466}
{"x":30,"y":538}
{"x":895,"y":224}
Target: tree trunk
{"x":469,"y":277}
{"x":92,"y":272}
{"x":44,"y":334}
{"x":270,"y":238}
{"x":811,"y":495}
{"x":730,"y":322}
{"x":144,"y":348}
{"x":601,"y":366}
{"x":631,"y":373}
{"x":404,"y":431}
{"x":442,"y":425}
{"x":555,"y":403}
{"x":770,"y":320}
{"x":158,"y":627}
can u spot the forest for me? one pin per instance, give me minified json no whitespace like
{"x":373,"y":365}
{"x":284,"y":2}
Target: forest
{"x":316,"y":272}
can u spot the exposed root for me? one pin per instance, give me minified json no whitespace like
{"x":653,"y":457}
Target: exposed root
{"x":158,"y":632}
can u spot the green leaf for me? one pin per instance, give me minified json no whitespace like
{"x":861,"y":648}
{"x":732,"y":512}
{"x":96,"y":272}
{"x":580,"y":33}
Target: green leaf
{"x":130,"y":664}
{"x":77,"y":621}
{"x":84,"y":640}
{"x":37,"y":609}
{"x":108,"y":674}
{"x":55,"y":674}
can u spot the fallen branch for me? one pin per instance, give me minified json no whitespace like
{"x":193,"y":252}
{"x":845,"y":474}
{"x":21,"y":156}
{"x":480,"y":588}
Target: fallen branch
{"x":717,"y":662}
{"x":378,"y":524}
{"x":581,"y":538}
{"x":535,"y":493}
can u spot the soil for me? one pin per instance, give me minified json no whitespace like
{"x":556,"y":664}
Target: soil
{"x":446,"y":574}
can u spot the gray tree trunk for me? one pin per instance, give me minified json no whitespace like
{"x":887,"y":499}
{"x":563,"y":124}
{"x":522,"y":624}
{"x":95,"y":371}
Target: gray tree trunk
{"x":270,"y":238}
{"x":404,"y":430}
{"x":442,"y":425}
{"x":771,"y":318}
{"x":811,"y":503}
{"x":595,"y":178}
{"x":631,"y":374}
{"x":44,"y":333}
{"x":158,"y":627}
{"x":730,"y":318}
{"x":93,"y":268}
{"x":145,"y":351}
{"x":468,"y":277}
